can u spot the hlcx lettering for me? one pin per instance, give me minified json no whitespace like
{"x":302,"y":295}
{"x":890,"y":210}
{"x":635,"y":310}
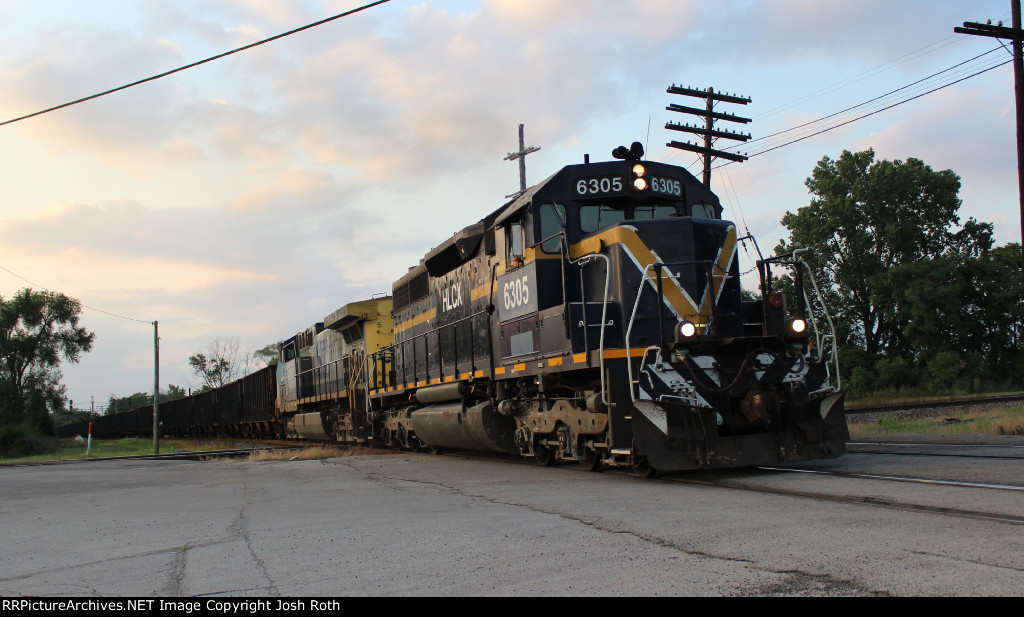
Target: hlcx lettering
{"x":451,"y":297}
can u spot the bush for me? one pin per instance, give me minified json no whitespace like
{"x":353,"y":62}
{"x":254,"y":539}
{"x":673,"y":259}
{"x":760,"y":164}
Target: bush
{"x":896,"y":373}
{"x":23,"y":440}
{"x":945,"y":372}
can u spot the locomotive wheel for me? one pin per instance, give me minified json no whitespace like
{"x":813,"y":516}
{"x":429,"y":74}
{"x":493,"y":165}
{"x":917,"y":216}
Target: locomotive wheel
{"x":591,"y":461}
{"x":544,"y":456}
{"x":643,"y":469}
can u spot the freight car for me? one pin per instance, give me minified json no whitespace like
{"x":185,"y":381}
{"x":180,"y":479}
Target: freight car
{"x":243,"y":408}
{"x":595,"y":318}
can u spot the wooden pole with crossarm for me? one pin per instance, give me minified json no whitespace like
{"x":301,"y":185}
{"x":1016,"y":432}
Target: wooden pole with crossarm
{"x":1016,"y":35}
{"x":521,"y":157}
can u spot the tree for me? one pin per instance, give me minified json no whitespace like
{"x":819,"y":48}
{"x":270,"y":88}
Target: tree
{"x":116,"y":404}
{"x":222,"y":362}
{"x":869,"y":228}
{"x":37,"y":330}
{"x":173,"y":393}
{"x":268,"y":354}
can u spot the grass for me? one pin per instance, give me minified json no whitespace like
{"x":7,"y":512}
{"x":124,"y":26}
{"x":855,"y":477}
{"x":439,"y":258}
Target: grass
{"x":1002,"y":421}
{"x":68,"y":449}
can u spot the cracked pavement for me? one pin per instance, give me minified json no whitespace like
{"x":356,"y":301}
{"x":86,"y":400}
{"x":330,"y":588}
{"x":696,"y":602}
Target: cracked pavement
{"x":411,"y":524}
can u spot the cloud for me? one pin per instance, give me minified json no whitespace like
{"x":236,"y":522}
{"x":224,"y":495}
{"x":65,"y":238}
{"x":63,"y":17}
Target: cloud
{"x":253,"y":195}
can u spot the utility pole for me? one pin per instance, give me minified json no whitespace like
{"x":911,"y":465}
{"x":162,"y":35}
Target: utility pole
{"x":156,"y":389}
{"x":708,"y":131}
{"x":1016,"y":35}
{"x":521,"y":157}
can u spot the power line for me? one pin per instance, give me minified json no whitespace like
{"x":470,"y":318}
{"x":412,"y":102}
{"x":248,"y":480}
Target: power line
{"x":839,"y":85}
{"x":195,"y":64}
{"x":961,"y":71}
{"x":907,"y":57}
{"x":91,"y":308}
{"x":907,"y":100}
{"x":876,"y":99}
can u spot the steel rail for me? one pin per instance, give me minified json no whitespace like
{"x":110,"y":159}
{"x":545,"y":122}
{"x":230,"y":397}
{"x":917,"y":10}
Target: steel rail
{"x":884,"y":449}
{"x":182,"y":455}
{"x":871,"y":476}
{"x":876,"y":502}
{"x":1006,"y":398}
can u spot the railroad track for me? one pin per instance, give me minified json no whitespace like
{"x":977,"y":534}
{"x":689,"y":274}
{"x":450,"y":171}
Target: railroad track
{"x":194,"y":455}
{"x":867,"y":500}
{"x":958,"y":450}
{"x":982,"y":400}
{"x":725,"y":480}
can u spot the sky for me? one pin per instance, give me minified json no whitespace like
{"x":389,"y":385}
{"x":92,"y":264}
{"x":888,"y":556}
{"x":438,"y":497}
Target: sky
{"x":250,"y":197}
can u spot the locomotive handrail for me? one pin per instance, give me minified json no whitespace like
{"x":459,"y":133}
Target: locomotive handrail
{"x":315,"y":375}
{"x":438,"y":330}
{"x":793,"y":260}
{"x":580,"y":262}
{"x":814,"y":322}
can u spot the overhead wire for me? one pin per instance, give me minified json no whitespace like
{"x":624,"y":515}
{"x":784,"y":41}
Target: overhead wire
{"x":195,"y":64}
{"x":877,"y":98}
{"x":872,"y":113}
{"x":91,"y":308}
{"x":839,"y":85}
{"x":159,"y":76}
{"x":909,"y":56}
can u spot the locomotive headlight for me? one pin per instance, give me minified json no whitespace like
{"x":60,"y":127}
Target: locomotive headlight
{"x":797,"y":326}
{"x":637,"y":177}
{"x":686,"y":329}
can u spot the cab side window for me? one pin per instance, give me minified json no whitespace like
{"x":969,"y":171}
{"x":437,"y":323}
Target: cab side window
{"x":514,"y":241}
{"x":552,"y":223}
{"x":704,"y":211}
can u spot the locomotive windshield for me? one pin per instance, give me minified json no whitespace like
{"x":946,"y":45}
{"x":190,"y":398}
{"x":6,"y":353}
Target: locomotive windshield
{"x":594,"y":217}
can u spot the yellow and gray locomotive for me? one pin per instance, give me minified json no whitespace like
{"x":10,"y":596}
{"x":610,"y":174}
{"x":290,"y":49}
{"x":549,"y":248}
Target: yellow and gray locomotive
{"x":597,"y":317}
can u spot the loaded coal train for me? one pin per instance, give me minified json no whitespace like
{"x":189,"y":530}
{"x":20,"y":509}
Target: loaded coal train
{"x":595,"y":318}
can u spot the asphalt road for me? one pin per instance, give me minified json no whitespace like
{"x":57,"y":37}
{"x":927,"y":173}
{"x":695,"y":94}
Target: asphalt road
{"x":410,"y":524}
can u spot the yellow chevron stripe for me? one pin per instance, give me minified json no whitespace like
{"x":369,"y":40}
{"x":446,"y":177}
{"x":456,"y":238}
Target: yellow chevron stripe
{"x":626,"y":236}
{"x":725,"y":256}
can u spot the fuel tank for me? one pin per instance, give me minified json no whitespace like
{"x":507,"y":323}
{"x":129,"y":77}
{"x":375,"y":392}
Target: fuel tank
{"x":312,"y":426}
{"x":477,"y":428}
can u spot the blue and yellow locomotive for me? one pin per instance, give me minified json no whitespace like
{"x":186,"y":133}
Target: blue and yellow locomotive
{"x":595,"y":318}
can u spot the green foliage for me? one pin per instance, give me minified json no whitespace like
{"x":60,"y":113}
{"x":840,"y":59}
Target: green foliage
{"x":865,"y":221}
{"x":268,"y":354}
{"x":126,"y":403}
{"x":944,"y":372}
{"x":22,"y":440}
{"x":38,"y":329}
{"x":142,"y":399}
{"x":895,"y":372}
{"x":919,"y":299}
